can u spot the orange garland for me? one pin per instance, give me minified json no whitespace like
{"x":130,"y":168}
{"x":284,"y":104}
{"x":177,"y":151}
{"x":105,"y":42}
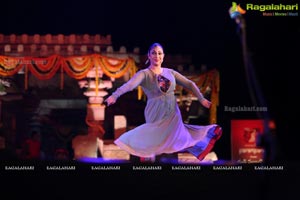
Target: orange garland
{"x":76,"y":66}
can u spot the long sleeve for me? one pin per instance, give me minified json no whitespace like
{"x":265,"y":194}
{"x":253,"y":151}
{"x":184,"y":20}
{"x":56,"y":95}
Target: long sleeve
{"x":135,"y":81}
{"x":188,"y":84}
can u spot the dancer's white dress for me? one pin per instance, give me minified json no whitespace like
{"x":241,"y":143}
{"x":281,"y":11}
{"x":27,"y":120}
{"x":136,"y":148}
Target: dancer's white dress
{"x":164,"y":130}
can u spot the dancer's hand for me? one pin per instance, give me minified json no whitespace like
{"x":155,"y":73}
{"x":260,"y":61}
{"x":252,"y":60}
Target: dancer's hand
{"x":110,"y":100}
{"x":206,"y":103}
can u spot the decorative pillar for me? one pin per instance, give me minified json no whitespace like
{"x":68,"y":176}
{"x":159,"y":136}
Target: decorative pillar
{"x":96,"y":91}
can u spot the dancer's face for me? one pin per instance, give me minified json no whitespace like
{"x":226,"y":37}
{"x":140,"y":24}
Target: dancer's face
{"x":156,"y":56}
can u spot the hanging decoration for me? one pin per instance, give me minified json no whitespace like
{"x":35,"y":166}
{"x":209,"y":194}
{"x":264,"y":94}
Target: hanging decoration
{"x":75,"y":66}
{"x":209,"y":82}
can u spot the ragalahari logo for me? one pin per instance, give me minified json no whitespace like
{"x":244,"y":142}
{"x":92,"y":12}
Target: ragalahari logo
{"x":236,"y":10}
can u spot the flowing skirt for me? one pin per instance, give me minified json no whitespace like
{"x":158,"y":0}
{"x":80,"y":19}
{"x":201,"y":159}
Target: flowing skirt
{"x":169,"y":135}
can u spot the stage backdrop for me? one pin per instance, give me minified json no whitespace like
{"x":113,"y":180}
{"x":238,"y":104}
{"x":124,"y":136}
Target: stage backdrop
{"x":244,"y":135}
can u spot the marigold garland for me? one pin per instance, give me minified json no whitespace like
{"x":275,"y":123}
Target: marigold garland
{"x":75,"y":66}
{"x":10,"y":66}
